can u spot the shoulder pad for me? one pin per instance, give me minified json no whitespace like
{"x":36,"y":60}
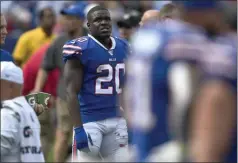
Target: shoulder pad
{"x":121,"y":40}
{"x":81,"y":42}
{"x":4,"y":52}
{"x":75,"y":48}
{"x":125,"y":43}
{"x":220,"y":60}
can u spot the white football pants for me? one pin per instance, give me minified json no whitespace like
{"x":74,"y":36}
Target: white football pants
{"x":108,"y":141}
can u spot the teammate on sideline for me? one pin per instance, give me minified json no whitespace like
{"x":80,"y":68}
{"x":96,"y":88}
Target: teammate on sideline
{"x":162,"y":79}
{"x":94,"y":72}
{"x":20,"y":127}
{"x":4,"y":55}
{"x":214,"y":116}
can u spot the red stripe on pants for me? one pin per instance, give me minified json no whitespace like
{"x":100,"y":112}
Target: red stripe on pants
{"x":74,"y":150}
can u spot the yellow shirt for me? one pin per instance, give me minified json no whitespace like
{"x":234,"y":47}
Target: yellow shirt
{"x":29,"y":42}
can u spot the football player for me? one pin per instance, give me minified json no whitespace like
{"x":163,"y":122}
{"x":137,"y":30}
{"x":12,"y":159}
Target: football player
{"x":162,"y":77}
{"x":94,"y":71}
{"x":214,"y":118}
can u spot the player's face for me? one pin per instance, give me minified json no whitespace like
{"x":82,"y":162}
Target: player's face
{"x":3,"y":28}
{"x":100,"y":24}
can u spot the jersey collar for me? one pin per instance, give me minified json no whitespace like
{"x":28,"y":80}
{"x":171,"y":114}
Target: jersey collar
{"x":112,"y":39}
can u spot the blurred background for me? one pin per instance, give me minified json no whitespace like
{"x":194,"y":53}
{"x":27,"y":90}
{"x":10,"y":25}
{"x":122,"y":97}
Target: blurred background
{"x":22,"y":15}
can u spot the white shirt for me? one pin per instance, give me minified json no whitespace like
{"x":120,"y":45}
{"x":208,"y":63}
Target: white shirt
{"x":20,"y":132}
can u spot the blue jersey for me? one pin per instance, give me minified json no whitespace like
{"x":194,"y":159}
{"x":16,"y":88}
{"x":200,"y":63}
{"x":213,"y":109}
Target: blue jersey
{"x":5,"y":56}
{"x":221,"y":64}
{"x":103,"y":75}
{"x":148,"y":87}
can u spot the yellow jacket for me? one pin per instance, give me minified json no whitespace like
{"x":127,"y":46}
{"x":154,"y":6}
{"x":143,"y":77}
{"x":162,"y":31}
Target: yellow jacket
{"x":29,"y":42}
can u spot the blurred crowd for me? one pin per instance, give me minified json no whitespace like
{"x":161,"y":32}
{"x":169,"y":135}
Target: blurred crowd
{"x":36,"y":51}
{"x":28,"y":19}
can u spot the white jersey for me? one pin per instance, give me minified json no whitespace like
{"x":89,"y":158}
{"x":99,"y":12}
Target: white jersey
{"x":20,"y":132}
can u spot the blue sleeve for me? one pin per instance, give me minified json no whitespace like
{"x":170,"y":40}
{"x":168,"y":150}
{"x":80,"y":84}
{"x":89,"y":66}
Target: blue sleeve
{"x":5,"y":56}
{"x":71,"y":50}
{"x":182,"y":49}
{"x":221,"y":67}
{"x":75,"y":49}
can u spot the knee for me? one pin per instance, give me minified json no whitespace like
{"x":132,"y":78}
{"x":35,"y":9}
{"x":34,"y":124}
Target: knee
{"x":122,"y":138}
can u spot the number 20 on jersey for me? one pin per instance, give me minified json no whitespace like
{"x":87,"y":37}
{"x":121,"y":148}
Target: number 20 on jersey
{"x":107,"y":67}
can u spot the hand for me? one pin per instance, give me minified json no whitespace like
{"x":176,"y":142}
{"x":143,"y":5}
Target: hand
{"x":39,"y":109}
{"x":81,"y":138}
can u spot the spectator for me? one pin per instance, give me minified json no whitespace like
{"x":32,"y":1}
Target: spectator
{"x":73,"y":18}
{"x":128,"y":24}
{"x":5,"y":56}
{"x":20,"y":128}
{"x":32,"y":40}
{"x":30,"y":70}
{"x":149,"y":15}
{"x":169,"y":11}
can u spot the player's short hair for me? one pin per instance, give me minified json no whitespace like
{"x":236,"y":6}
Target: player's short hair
{"x":96,"y":8}
{"x":167,"y":10}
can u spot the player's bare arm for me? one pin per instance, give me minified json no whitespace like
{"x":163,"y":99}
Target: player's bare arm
{"x":215,"y":109}
{"x":73,"y":75}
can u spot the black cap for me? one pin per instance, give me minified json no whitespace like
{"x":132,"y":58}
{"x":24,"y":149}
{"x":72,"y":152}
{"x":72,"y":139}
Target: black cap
{"x":129,"y":20}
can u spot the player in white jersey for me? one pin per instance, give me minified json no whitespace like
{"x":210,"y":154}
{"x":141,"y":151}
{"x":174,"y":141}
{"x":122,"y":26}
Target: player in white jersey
{"x":20,"y":127}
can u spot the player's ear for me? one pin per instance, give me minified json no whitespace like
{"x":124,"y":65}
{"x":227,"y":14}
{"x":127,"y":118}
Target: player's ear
{"x":88,"y":25}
